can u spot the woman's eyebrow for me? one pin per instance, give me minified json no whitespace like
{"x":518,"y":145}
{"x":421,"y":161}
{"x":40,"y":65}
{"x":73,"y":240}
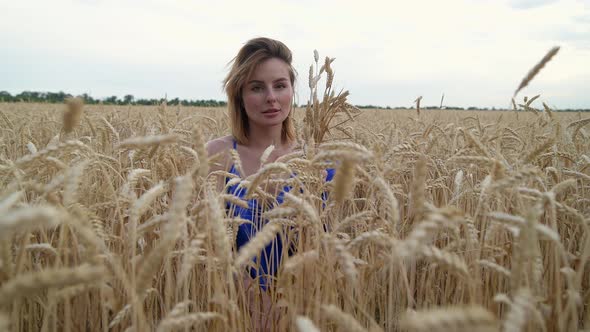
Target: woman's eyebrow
{"x":275,"y":81}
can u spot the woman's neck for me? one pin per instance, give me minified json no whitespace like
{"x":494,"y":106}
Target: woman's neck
{"x":262,"y":137}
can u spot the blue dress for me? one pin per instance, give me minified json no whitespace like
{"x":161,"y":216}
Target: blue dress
{"x":270,"y":257}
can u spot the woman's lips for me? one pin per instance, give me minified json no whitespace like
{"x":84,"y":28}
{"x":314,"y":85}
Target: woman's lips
{"x":271,"y":113}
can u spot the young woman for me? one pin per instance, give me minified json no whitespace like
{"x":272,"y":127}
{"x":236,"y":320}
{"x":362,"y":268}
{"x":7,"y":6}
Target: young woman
{"x":260,"y":90}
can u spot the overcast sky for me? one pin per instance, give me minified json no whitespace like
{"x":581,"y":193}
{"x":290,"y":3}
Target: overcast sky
{"x":387,"y":52}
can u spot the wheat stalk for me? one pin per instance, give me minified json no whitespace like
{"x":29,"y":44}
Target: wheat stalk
{"x":5,"y":322}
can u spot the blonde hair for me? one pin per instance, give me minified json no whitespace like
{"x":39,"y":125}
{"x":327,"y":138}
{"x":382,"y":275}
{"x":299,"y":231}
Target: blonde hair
{"x":253,"y":53}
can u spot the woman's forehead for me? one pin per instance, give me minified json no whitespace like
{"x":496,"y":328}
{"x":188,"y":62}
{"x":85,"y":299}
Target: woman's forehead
{"x":271,"y":70}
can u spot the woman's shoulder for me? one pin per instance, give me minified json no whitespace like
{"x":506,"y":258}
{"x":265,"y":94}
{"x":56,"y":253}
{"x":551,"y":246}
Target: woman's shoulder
{"x":219,"y":144}
{"x":218,"y":150}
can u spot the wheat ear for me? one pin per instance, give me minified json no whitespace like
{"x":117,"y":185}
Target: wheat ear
{"x":449,"y":260}
{"x":344,"y":321}
{"x":535,"y":70}
{"x":518,"y":314}
{"x":473,"y":318}
{"x":389,"y":202}
{"x":147,"y":141}
{"x":176,"y":323}
{"x":72,"y":114}
{"x":8,"y":201}
{"x":266,"y":154}
{"x":217,"y":226}
{"x":29,"y":218}
{"x":305,"y":324}
{"x":33,"y":283}
{"x":255,"y":245}
{"x":344,"y":180}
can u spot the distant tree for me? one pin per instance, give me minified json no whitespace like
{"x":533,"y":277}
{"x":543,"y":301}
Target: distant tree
{"x":25,"y":96}
{"x":128,"y":99}
{"x":88,"y":99}
{"x":57,"y":97}
{"x":111,"y":100}
{"x":368,"y":106}
{"x":5,"y":96}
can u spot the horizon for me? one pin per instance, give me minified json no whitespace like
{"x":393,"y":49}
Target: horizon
{"x":175,"y":101}
{"x":475,"y":52}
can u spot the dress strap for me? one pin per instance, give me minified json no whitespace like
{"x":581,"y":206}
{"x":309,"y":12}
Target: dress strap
{"x":235,"y":144}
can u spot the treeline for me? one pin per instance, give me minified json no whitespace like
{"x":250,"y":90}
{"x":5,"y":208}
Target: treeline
{"x":472,"y":108}
{"x":454,"y":108}
{"x":60,"y":97}
{"x":457,"y":108}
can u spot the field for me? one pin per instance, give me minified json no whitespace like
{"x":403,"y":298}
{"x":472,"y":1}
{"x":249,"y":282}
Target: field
{"x":442,"y":220}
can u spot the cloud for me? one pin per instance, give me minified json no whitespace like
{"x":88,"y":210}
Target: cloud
{"x":387,"y":52}
{"x":578,"y":39}
{"x":582,"y":19}
{"x":529,"y":4}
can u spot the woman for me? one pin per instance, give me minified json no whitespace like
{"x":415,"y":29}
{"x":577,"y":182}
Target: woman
{"x":260,"y":90}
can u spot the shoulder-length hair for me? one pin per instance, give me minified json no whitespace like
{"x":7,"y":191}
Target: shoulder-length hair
{"x":253,"y":53}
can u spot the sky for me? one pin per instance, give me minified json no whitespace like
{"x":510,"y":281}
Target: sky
{"x":387,"y":53}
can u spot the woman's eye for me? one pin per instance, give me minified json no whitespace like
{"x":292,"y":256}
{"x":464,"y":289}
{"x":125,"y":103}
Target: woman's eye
{"x":281,"y":86}
{"x":256,"y":88}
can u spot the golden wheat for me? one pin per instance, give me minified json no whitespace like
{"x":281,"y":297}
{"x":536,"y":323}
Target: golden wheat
{"x":447,"y":210}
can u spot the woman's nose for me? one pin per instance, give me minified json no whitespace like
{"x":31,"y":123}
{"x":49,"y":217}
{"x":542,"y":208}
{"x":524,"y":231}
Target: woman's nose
{"x":271,"y":95}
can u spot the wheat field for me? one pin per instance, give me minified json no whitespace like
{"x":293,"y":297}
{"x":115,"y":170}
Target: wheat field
{"x":444,"y":220}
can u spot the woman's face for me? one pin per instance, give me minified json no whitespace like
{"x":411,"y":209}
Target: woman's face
{"x":267,"y":95}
